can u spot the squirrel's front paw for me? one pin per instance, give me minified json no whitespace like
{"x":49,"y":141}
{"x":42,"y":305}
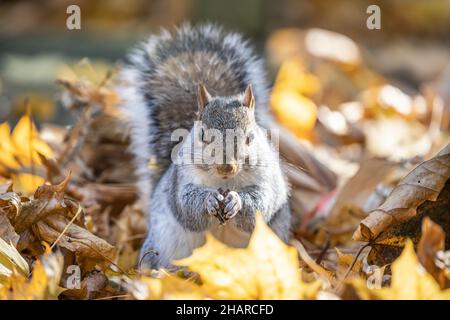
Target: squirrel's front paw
{"x":233,"y":204}
{"x":213,"y":201}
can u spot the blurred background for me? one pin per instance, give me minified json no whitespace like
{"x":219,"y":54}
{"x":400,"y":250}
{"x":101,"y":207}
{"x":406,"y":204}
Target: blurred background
{"x":35,"y":45}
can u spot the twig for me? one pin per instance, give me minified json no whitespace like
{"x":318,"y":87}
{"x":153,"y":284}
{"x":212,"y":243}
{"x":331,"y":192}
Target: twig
{"x":144,"y":255}
{"x":311,"y":263}
{"x":324,"y":250}
{"x":67,"y":226}
{"x":358,"y":253}
{"x":360,"y":250}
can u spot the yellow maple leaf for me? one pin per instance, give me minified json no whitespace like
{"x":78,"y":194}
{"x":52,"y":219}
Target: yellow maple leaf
{"x":266,"y":269}
{"x":294,"y":111}
{"x":290,"y":99}
{"x":293,"y":76}
{"x":21,"y":288}
{"x":43,"y":284}
{"x":11,"y":260}
{"x":410,"y":281}
{"x":167,"y":288}
{"x":27,"y":143}
{"x":21,"y":148}
{"x":26,"y":182}
{"x":6,"y":148}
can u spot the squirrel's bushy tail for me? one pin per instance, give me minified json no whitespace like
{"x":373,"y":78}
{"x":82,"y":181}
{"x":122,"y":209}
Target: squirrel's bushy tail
{"x":159,"y":82}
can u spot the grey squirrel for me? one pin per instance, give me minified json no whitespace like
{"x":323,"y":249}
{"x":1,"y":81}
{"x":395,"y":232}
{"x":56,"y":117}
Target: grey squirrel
{"x":200,"y":74}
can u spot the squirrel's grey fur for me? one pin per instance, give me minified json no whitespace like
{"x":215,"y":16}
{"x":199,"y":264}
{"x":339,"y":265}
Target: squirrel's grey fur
{"x":159,"y":94}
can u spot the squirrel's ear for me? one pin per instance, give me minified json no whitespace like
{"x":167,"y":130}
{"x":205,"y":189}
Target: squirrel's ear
{"x":203,"y":97}
{"x":249,"y":98}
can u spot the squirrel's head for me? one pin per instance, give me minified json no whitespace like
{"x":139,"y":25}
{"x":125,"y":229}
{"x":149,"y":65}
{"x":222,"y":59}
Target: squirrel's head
{"x":227,"y":129}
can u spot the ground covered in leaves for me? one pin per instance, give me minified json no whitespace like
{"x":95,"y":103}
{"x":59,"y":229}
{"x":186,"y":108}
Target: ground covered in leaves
{"x":368,"y":162}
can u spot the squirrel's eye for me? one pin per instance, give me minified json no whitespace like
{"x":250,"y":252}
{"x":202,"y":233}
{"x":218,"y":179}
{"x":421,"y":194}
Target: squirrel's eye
{"x":249,"y":138}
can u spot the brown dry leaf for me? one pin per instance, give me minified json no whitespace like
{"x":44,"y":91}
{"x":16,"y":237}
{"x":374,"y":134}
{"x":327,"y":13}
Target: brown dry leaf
{"x":35,"y":210}
{"x":424,"y":183}
{"x":267,"y":269}
{"x":94,"y":285}
{"x":47,"y":214}
{"x":359,"y":194}
{"x":88,"y":85}
{"x":10,"y":206}
{"x":431,"y":242}
{"x":409,"y":281}
{"x":75,"y":238}
{"x":361,"y":186}
{"x":7,"y":231}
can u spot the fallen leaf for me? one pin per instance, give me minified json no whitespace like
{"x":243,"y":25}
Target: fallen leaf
{"x":293,"y":76}
{"x":21,"y":149}
{"x":26,"y":183}
{"x":267,"y":269}
{"x":410,"y":281}
{"x":11,"y":199}
{"x":43,"y":284}
{"x":7,"y":231}
{"x":93,"y":286}
{"x":332,"y":46}
{"x":27,"y":142}
{"x":167,"y":288}
{"x":7,"y":148}
{"x":344,"y":261}
{"x":294,"y":111}
{"x":11,"y":260}
{"x":396,"y":138}
{"x":76,"y":238}
{"x":21,"y":288}
{"x":431,"y":242}
{"x":424,"y":183}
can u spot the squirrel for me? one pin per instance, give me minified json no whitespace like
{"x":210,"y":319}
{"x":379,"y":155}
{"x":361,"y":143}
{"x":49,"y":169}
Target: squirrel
{"x":200,"y":78}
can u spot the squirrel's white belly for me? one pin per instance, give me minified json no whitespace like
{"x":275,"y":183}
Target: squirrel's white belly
{"x":230,"y":235}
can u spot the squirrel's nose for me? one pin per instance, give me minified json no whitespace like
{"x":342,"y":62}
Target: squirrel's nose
{"x":227,"y":169}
